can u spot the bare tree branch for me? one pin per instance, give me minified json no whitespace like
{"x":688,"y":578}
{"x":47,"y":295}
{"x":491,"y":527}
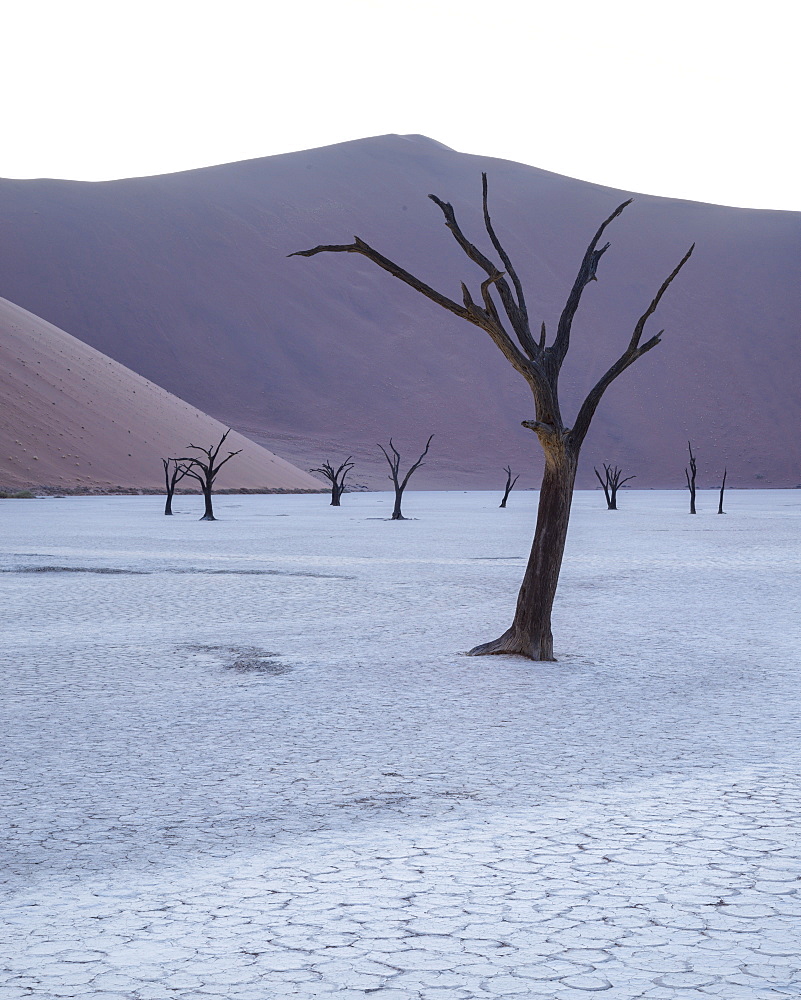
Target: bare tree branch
{"x":360,"y":247}
{"x":604,"y":481}
{"x":633,"y":351}
{"x":638,"y":329}
{"x":418,"y":463}
{"x":517,"y":315}
{"x":539,"y":427}
{"x":589,"y":265}
{"x":487,"y":320}
{"x":507,"y":263}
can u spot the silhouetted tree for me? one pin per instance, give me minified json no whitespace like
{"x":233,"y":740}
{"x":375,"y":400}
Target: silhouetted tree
{"x":400,"y":484}
{"x":510,"y":484}
{"x":540,"y":365}
{"x":611,"y":483}
{"x":336,"y":477}
{"x":722,"y":488}
{"x":173,"y":474}
{"x":205,"y":470}
{"x":690,"y":476}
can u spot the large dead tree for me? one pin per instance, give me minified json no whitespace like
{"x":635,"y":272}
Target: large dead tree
{"x":539,"y":363}
{"x":611,"y":483}
{"x":174,"y":472}
{"x":510,"y":484}
{"x":336,"y":477}
{"x":205,"y":470}
{"x":394,"y":474}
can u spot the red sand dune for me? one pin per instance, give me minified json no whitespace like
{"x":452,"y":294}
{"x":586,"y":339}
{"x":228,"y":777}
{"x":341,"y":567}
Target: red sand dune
{"x":74,"y":419}
{"x":185,"y":279}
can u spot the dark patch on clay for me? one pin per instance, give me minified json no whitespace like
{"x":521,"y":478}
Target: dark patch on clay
{"x":243,"y":659}
{"x":261,"y":572}
{"x":103,"y":570}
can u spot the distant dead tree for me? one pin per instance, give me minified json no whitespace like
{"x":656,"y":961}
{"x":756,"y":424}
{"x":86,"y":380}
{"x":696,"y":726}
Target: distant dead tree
{"x":400,"y":484}
{"x":510,"y":484}
{"x":689,"y":473}
{"x":205,"y":470}
{"x":540,"y":365}
{"x":336,"y":477}
{"x":722,"y":489}
{"x":174,"y":472}
{"x":611,"y":483}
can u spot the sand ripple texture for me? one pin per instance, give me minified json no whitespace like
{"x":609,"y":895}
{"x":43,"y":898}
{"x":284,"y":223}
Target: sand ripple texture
{"x":249,"y":760}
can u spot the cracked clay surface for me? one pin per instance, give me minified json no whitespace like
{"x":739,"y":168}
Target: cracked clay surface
{"x":247,"y":760}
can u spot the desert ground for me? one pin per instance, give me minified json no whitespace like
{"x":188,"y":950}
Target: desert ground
{"x":249,"y":759}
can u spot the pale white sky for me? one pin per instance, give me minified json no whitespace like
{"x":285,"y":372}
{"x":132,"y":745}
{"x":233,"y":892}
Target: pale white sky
{"x":686,"y":98}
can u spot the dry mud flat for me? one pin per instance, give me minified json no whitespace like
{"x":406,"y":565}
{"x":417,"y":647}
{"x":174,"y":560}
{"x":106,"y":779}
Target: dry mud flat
{"x":247,"y":759}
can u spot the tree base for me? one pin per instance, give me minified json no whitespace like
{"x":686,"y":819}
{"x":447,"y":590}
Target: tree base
{"x":512,"y":644}
{"x":208,"y":517}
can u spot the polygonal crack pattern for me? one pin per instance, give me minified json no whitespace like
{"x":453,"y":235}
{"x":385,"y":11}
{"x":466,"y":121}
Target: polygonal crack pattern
{"x":666,"y":889}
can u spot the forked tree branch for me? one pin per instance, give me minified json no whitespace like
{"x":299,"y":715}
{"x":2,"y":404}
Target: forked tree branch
{"x":417,"y":464}
{"x":510,"y":483}
{"x":332,"y":474}
{"x":515,"y":311}
{"x":507,"y":263}
{"x":633,"y":351}
{"x":487,"y":318}
{"x":613,"y":476}
{"x":195,"y":475}
{"x":172,"y":478}
{"x":604,"y":481}
{"x":638,"y":329}
{"x":589,"y":265}
{"x":211,"y":466}
{"x":394,"y":463}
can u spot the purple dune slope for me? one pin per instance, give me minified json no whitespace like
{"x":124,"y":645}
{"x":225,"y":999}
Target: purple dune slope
{"x":185,"y":279}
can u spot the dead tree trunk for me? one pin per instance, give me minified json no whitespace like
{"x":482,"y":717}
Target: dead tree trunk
{"x":510,"y":484}
{"x":173,"y":474}
{"x":722,"y":489}
{"x":398,"y":483}
{"x":205,"y":470}
{"x":611,"y":483}
{"x":690,"y":476}
{"x":540,"y":365}
{"x":336,"y":477}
